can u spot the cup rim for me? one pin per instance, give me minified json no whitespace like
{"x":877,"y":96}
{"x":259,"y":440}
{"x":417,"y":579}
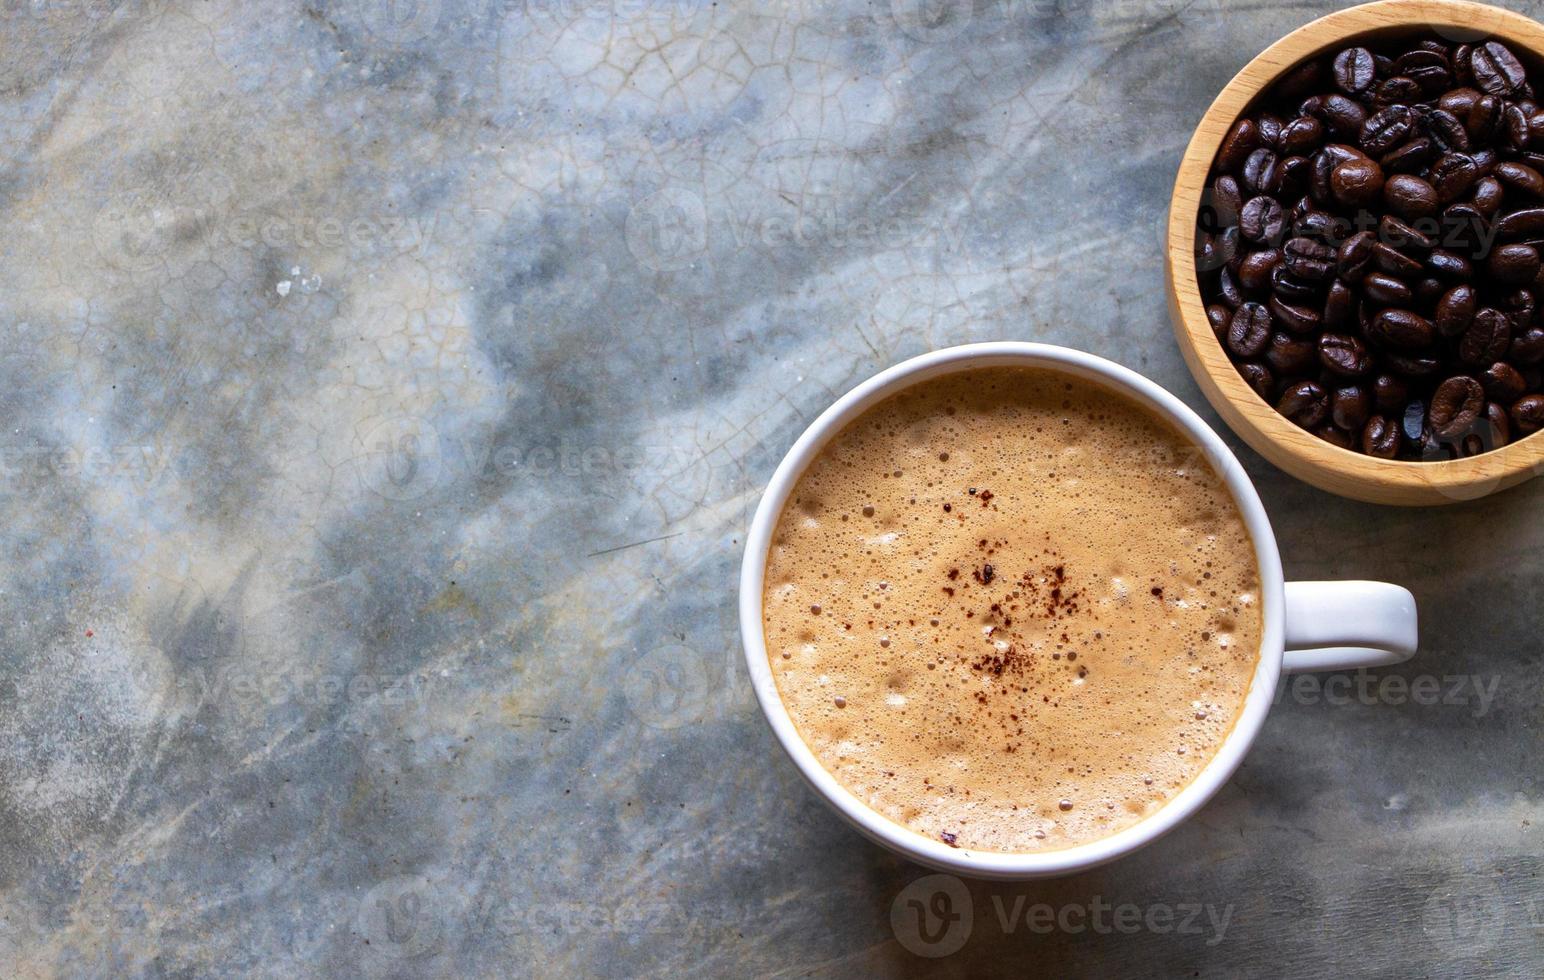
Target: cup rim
{"x":995,"y":864}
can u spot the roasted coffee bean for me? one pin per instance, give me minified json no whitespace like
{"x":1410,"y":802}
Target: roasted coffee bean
{"x":1496,"y":69}
{"x":1379,"y":438}
{"x":1410,"y":196}
{"x":1350,"y":405}
{"x":1527,"y":223}
{"x":1259,"y":378}
{"x":1307,"y":404}
{"x":1386,"y":129}
{"x":1339,"y":305}
{"x":1401,"y":329}
{"x":1428,"y":291}
{"x":1404,"y":236}
{"x":1262,"y":220}
{"x":1449,"y":265}
{"x":1415,"y":366}
{"x":1486,"y":160}
{"x":1456,"y":406}
{"x":1412,"y":421}
{"x":1527,"y":414}
{"x":1464,"y":229}
{"x":1518,"y":306}
{"x":1228,"y":288}
{"x":1397,"y":89}
{"x":1301,"y":80}
{"x":1250,"y":330}
{"x":1522,"y":177}
{"x":1428,"y":69}
{"x":1462,"y":73}
{"x":1293,"y":175}
{"x":1353,"y":70}
{"x":1395,"y":262}
{"x":1389,"y":392}
{"x":1241,"y":141}
{"x":1503,"y":382}
{"x":1345,"y":117}
{"x":1459,"y":101}
{"x":1262,"y":172}
{"x":1484,"y":121}
{"x":1487,"y":196}
{"x":1308,"y":259}
{"x":1270,"y":130}
{"x":1335,"y":436}
{"x":1210,"y":251}
{"x":1357,"y":183}
{"x":1323,"y":226}
{"x":1219,"y":316}
{"x":1516,"y":127}
{"x":1452,"y":176}
{"x":1527,"y":348}
{"x":1291,"y":289}
{"x":1255,"y":271}
{"x":1355,"y":253}
{"x":1296,"y":319}
{"x":1447,"y":131}
{"x":1472,"y":445}
{"x":1291,"y":356}
{"x":1514,"y":263}
{"x":1302,"y":135}
{"x":1386,"y":290}
{"x":1409,"y":157}
{"x":1338,"y":153}
{"x":1455,"y":310}
{"x":1344,"y":354}
{"x":1324,"y":164}
{"x":1487,"y":338}
{"x":1224,"y":205}
{"x":1498,"y":423}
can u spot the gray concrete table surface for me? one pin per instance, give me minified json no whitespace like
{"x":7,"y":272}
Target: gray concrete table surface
{"x":384,"y":392}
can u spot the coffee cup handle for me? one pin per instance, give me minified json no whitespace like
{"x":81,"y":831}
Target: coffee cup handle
{"x":1347,"y":626}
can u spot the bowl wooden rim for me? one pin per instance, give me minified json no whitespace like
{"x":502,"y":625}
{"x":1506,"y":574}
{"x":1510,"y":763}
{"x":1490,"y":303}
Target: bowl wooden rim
{"x":1290,"y":447}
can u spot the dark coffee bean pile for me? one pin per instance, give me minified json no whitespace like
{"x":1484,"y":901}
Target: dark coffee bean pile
{"x":1370,"y":245}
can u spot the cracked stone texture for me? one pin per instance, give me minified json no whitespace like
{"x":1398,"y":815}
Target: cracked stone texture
{"x":384,"y":392}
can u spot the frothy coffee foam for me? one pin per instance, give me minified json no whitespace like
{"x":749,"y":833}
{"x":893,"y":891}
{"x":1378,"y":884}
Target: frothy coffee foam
{"x":1012,"y":610}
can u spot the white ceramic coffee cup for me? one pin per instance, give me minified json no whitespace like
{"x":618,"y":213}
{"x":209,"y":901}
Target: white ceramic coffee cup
{"x":1307,"y":625}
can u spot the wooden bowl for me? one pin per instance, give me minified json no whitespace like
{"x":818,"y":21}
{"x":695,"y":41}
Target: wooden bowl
{"x":1294,"y":449}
